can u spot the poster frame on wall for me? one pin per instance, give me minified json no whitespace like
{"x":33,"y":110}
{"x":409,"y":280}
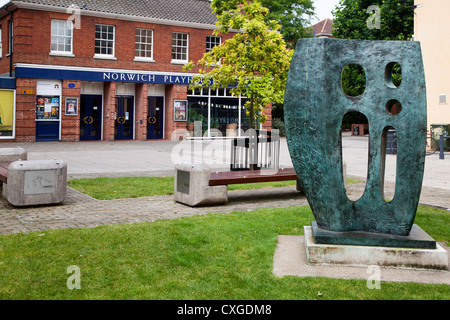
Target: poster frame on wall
{"x":71,"y":107}
{"x":180,"y":110}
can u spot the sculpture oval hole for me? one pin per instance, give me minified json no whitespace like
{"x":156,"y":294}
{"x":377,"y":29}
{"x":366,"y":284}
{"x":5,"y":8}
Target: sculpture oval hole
{"x":388,"y":165}
{"x":393,"y":75}
{"x":393,"y":107}
{"x":353,"y":80}
{"x":355,"y":153}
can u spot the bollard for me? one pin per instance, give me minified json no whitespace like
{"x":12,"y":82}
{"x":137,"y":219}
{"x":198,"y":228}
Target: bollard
{"x":441,"y":145}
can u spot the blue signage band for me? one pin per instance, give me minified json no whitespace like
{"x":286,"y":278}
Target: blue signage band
{"x":104,"y":76}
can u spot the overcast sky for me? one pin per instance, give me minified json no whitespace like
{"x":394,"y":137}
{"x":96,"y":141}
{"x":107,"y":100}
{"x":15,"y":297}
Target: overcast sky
{"x":324,"y":8}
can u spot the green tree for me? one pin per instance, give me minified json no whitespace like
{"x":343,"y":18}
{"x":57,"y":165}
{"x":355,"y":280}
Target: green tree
{"x":396,"y":20}
{"x":255,"y":61}
{"x":353,"y":80}
{"x":293,"y":16}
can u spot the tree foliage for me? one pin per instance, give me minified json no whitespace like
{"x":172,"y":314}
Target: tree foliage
{"x":293,"y":16}
{"x":255,"y":61}
{"x":396,"y":20}
{"x":353,"y":80}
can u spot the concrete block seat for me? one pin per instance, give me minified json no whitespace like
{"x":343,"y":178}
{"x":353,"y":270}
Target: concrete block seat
{"x":192,"y":186}
{"x":31,"y":182}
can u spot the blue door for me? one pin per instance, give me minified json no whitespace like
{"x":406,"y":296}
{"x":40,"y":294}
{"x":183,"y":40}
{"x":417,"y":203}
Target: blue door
{"x":155,"y":118}
{"x":124,"y":118}
{"x":90,"y":117}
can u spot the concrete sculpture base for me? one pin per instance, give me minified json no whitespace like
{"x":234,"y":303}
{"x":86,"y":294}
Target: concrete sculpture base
{"x":334,"y":254}
{"x":417,"y":238}
{"x":290,"y":260}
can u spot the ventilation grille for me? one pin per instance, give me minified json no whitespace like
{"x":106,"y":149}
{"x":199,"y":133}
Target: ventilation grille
{"x":442,"y":98}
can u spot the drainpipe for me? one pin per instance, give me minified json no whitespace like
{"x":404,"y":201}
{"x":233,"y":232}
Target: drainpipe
{"x":10,"y":40}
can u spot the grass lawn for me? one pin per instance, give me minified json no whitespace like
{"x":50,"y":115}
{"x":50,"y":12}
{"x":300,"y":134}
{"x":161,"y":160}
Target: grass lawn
{"x":216,"y":256}
{"x":134,"y":187}
{"x":124,"y":187}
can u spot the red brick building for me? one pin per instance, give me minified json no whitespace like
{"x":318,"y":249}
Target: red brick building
{"x":108,"y":70}
{"x":323,"y":29}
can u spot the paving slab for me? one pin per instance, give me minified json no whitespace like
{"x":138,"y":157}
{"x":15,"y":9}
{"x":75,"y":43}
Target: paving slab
{"x":80,"y":210}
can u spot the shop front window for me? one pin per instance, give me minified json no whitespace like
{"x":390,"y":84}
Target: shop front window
{"x":197,"y":112}
{"x":218,"y":111}
{"x":47,"y":108}
{"x":6,"y":114}
{"x":245,"y":119}
{"x":225,"y":116}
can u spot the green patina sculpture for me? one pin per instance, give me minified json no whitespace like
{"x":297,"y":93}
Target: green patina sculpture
{"x":314,"y":107}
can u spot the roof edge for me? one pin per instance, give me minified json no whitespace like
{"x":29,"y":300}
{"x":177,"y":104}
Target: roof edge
{"x":41,"y":7}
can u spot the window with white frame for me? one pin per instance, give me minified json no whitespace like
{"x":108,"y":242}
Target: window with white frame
{"x":1,"y":44}
{"x":104,"y":40}
{"x":211,"y":42}
{"x":180,"y":45}
{"x":61,"y":37}
{"x":144,"y":44}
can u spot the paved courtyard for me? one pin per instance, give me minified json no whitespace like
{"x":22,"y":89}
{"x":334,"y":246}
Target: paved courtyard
{"x":157,"y":158}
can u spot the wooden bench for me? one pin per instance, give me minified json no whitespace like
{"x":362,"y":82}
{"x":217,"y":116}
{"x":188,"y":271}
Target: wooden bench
{"x":219,"y":178}
{"x":4,"y":171}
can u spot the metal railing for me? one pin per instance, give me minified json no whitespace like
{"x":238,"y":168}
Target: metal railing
{"x":259,"y":150}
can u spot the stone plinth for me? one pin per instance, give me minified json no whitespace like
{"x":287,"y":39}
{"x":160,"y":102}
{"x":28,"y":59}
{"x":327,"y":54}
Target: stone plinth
{"x":417,"y":238}
{"x":353,"y":255}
